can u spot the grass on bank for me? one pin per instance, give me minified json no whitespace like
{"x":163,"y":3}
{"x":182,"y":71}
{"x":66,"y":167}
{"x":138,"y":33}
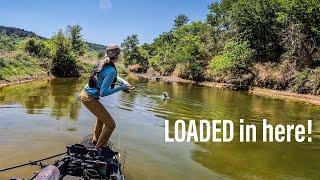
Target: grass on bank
{"x":20,"y":66}
{"x":64,"y":55}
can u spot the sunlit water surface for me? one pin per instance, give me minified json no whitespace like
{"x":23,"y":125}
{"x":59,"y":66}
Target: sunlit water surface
{"x":38,"y":119}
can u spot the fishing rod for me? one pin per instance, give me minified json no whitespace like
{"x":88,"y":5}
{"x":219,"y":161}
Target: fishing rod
{"x":157,"y":92}
{"x":32,"y":162}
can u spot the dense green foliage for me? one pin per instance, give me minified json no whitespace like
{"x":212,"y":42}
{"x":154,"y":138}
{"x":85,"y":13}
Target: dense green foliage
{"x":64,"y":62}
{"x":255,"y":21}
{"x":241,"y":42}
{"x":180,"y":20}
{"x":35,"y":47}
{"x":25,"y":55}
{"x":9,"y":43}
{"x":17,"y":66}
{"x":236,"y":55}
{"x":133,"y":54}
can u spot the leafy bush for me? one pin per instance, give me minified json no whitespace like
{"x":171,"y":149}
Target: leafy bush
{"x":235,"y":64}
{"x":314,"y":81}
{"x":191,"y":52}
{"x":85,"y":67}
{"x":300,"y":82}
{"x":180,"y":70}
{"x":19,"y":66}
{"x":236,"y":55}
{"x":185,"y":44}
{"x":218,"y":63}
{"x":35,"y":47}
{"x":154,"y":62}
{"x":135,"y":55}
{"x":307,"y":82}
{"x":64,"y":63}
{"x":9,"y":43}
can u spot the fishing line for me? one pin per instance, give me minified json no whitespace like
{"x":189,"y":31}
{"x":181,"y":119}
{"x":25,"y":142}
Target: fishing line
{"x":141,"y":85}
{"x":172,"y":97}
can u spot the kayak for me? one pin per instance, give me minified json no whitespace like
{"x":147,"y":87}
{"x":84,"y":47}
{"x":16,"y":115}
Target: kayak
{"x":83,"y":161}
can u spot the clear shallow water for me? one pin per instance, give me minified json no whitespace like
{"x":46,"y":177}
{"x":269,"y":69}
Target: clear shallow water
{"x":39,"y":118}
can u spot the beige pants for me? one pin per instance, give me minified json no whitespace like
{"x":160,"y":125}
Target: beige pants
{"x":104,"y":125}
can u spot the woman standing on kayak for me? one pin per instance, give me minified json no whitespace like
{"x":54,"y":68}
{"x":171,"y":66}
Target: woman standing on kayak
{"x":102,"y":83}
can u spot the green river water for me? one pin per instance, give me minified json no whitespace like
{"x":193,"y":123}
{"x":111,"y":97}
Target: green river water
{"x":40,"y":118}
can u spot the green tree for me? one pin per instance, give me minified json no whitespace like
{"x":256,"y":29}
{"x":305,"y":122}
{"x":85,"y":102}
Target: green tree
{"x":219,"y":20}
{"x":218,"y":15}
{"x":192,"y":54}
{"x":76,"y":39}
{"x":301,"y":49}
{"x":255,"y":21}
{"x":145,"y":51}
{"x":180,"y":20}
{"x":171,"y":48}
{"x":130,"y":50}
{"x":305,"y":12}
{"x":163,"y":47}
{"x":64,"y":62}
{"x":301,"y":32}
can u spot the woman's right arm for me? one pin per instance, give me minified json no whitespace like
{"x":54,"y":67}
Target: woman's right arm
{"x":105,"y":89}
{"x":122,"y":81}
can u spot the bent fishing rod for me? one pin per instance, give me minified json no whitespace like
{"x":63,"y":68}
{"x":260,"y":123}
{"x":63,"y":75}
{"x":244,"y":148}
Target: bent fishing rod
{"x":32,"y":162}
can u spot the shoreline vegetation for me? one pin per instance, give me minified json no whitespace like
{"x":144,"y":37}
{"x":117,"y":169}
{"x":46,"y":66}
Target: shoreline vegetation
{"x":271,"y":44}
{"x":264,"y":92}
{"x":274,"y":94}
{"x":22,"y":81}
{"x":26,"y":56}
{"x":269,"y":48}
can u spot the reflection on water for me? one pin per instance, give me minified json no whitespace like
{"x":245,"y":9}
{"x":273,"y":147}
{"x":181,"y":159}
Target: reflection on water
{"x":28,"y":111}
{"x":56,"y":95}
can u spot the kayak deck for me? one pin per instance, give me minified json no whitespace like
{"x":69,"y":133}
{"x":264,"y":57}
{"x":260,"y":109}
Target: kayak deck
{"x":84,"y":161}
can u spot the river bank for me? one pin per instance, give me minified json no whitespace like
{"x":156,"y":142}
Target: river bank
{"x":25,"y":80}
{"x":274,"y":94}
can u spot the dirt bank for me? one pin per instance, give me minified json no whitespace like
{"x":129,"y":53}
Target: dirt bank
{"x":177,"y":79}
{"x":20,"y":81}
{"x":275,"y":94}
{"x":285,"y":95}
